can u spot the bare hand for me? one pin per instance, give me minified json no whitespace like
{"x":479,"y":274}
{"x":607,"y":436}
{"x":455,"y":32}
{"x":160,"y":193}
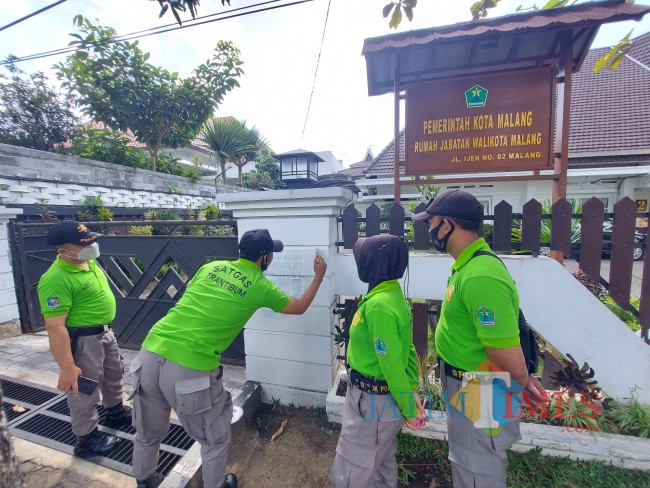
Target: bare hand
{"x":320,"y":266}
{"x":68,"y":379}
{"x":537,"y":393}
{"x":420,"y":418}
{"x":417,"y":422}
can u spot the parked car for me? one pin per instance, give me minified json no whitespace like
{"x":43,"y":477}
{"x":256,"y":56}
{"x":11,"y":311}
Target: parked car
{"x":608,"y":226}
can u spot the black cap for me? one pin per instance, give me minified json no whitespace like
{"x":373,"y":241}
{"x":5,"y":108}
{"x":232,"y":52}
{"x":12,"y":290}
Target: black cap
{"x":71,"y":232}
{"x":456,"y":203}
{"x":256,"y":243}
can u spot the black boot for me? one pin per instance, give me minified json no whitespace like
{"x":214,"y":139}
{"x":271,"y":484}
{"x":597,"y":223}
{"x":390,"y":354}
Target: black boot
{"x":230,"y":481}
{"x":95,"y":444}
{"x":151,"y":482}
{"x":118,"y":415}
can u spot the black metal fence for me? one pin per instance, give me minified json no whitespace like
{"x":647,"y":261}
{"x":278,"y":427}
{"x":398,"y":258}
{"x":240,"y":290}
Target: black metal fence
{"x":147,"y":273}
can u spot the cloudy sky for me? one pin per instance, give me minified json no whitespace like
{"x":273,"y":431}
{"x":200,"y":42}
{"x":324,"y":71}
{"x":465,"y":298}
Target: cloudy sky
{"x":280,"y":49}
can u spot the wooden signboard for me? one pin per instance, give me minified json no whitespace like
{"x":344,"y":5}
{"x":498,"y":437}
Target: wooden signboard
{"x":481,"y":123}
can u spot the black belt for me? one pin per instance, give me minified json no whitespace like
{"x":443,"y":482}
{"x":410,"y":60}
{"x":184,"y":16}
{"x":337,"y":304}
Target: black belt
{"x":76,"y":332}
{"x":368,"y":383}
{"x":450,"y":370}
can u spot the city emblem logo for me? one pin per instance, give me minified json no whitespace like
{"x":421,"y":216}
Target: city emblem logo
{"x":476,"y":97}
{"x":485,"y":316}
{"x":355,"y":320}
{"x":450,"y":292}
{"x":52,"y":302}
{"x":380,"y":346}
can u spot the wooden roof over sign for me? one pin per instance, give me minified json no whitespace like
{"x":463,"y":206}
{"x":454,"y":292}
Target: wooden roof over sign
{"x":517,"y":41}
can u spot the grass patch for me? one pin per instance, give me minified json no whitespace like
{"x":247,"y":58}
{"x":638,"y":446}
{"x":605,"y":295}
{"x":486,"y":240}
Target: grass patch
{"x":420,"y":460}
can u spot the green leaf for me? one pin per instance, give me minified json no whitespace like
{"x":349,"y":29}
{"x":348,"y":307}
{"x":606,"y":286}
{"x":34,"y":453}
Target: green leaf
{"x":604,"y":61}
{"x":396,"y":19}
{"x":409,"y":12}
{"x":163,"y":11}
{"x":410,"y":3}
{"x":178,"y":19}
{"x":618,"y":59}
{"x":387,"y":9}
{"x":554,"y":4}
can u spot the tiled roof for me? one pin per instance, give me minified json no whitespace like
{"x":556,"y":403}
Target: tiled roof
{"x":356,"y":169}
{"x":384,"y":163}
{"x":610,"y":111}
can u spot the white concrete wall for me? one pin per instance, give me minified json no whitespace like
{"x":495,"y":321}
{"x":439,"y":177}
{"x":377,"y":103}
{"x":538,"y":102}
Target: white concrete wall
{"x":30,"y":177}
{"x":293,"y":357}
{"x":8,"y":303}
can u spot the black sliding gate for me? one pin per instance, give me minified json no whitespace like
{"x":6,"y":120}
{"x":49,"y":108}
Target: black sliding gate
{"x":148,"y":274}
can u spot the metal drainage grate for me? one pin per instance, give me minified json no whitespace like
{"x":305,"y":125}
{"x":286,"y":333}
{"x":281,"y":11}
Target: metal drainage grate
{"x":12,"y":414}
{"x":25,"y":393}
{"x":49,"y":425}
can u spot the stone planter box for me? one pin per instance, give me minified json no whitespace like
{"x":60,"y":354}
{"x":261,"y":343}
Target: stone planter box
{"x":620,"y":450}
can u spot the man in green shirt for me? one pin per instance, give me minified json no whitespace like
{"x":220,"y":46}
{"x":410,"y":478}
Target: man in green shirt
{"x":78,"y":306}
{"x":178,"y":366}
{"x":477,"y":333}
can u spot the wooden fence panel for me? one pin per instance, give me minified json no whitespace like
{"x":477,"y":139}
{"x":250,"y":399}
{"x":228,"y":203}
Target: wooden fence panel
{"x":644,"y":307}
{"x":350,"y":226}
{"x":373,"y":220}
{"x":396,"y":221}
{"x":591,"y":238}
{"x":531,"y":226}
{"x":561,"y":227}
{"x":620,"y":274}
{"x":421,"y":329}
{"x":502,"y":227}
{"x":421,"y":238}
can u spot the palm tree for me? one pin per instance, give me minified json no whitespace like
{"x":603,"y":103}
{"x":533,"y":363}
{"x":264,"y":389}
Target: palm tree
{"x":231,"y":141}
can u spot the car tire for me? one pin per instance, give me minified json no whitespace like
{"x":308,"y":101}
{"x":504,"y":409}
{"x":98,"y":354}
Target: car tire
{"x":639,"y":253}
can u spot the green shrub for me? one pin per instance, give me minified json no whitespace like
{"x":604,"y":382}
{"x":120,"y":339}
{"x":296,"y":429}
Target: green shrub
{"x":141,"y":230}
{"x":633,"y":418}
{"x":219,"y":231}
{"x":193,"y":174}
{"x":110,"y":146}
{"x":211,"y":211}
{"x":575,"y":413}
{"x":104,"y":214}
{"x":625,"y":315}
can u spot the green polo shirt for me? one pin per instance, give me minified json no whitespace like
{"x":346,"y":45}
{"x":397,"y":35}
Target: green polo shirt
{"x":218,"y":302}
{"x":480,"y":309}
{"x":84,"y":294}
{"x":381,"y":343}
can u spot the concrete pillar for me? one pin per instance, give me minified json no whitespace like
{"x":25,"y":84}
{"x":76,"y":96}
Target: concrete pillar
{"x":293,"y":357}
{"x":8,"y":303}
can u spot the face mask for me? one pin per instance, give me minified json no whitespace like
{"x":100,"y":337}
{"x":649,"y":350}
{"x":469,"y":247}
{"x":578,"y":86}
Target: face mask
{"x":440,"y":245}
{"x":264,"y":265}
{"x":88,"y":252}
